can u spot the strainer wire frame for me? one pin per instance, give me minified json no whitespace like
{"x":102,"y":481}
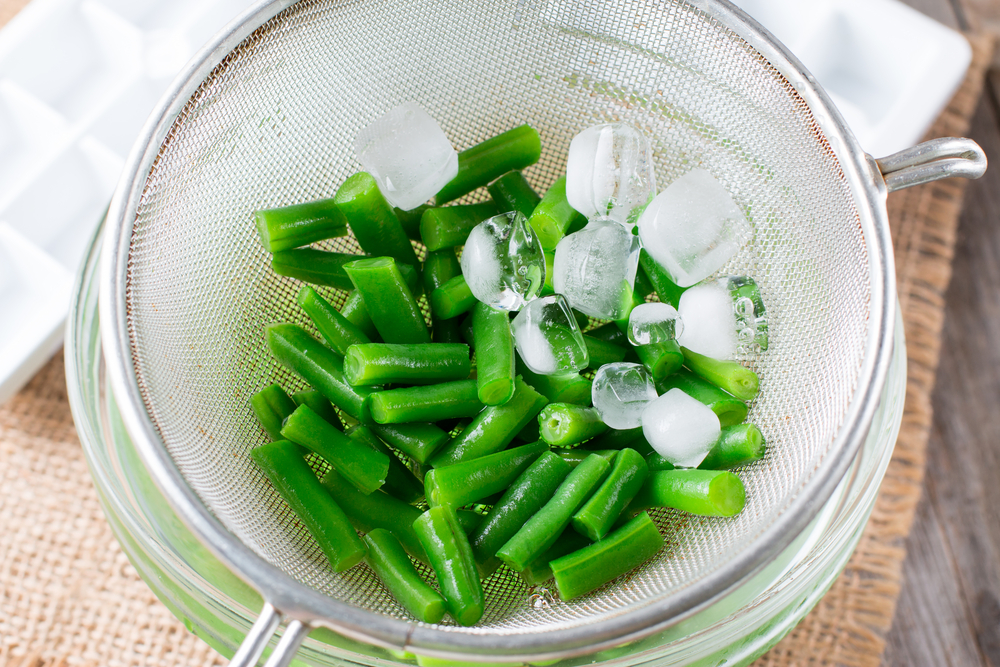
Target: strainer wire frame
{"x":307,"y":607}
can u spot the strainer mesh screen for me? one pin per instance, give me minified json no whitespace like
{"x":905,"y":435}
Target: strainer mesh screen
{"x":273,"y":124}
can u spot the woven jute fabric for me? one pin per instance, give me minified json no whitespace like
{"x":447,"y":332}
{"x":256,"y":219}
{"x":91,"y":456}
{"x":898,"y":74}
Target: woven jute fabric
{"x":68,"y":595}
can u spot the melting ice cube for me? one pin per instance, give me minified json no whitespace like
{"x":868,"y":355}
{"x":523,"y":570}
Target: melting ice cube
{"x":751,"y":316}
{"x":709,"y":321}
{"x":681,"y":429}
{"x":503,"y":262}
{"x":548,"y":337}
{"x":595,"y":267}
{"x":408,"y":154}
{"x":655,"y":322}
{"x":621,"y":392}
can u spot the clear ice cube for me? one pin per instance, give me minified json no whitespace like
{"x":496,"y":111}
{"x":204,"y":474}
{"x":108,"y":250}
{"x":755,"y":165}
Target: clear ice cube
{"x":503,"y":262}
{"x":621,"y":392}
{"x":709,"y":320}
{"x":548,"y":337}
{"x":595,"y":267}
{"x":408,"y":154}
{"x":751,"y":316}
{"x":609,"y":172}
{"x":693,"y":227}
{"x":654,"y":322}
{"x":681,"y":429}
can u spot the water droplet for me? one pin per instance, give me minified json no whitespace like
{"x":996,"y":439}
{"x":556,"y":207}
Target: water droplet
{"x":522,"y":270}
{"x":744,"y":306}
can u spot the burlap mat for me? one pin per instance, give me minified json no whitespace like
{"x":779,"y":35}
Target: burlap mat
{"x":70,"y":596}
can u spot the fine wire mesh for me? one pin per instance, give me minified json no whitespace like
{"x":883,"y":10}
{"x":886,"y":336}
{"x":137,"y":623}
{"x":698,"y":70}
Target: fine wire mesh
{"x":273,"y":124}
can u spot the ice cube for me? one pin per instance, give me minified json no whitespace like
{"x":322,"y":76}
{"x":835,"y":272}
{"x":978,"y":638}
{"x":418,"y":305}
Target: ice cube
{"x":693,"y":227}
{"x":751,"y":316}
{"x":709,"y":320}
{"x":408,"y":154}
{"x":548,"y":337}
{"x":621,"y":392}
{"x":681,"y":429}
{"x":503,"y":262}
{"x":595,"y":267}
{"x":655,"y":322}
{"x":609,"y":171}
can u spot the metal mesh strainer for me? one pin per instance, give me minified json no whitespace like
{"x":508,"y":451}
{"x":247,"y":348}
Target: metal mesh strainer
{"x":266,"y":117}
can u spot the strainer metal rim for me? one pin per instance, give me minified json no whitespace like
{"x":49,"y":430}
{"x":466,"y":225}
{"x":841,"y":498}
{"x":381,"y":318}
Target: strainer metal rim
{"x":304,"y":604}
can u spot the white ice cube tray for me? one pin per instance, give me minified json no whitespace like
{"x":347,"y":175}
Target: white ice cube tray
{"x":79,"y":77}
{"x":77,"y":80}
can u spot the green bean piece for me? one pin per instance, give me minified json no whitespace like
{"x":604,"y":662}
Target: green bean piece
{"x":271,"y":405}
{"x":418,"y":441}
{"x":293,"y":479}
{"x":522,"y":499}
{"x":599,"y":513}
{"x":512,"y":192}
{"x":553,"y":215}
{"x":729,"y":409}
{"x":467,"y":330}
{"x":564,"y":424}
{"x":540,"y":531}
{"x":666,"y":289}
{"x":655,"y":461}
{"x":514,"y":149}
{"x":602,"y":352}
{"x":377,"y":229}
{"x":389,"y":300}
{"x":450,"y":556}
{"x":495,"y":357}
{"x":737,"y":444}
{"x":529,"y":433}
{"x":550,"y":260}
{"x":289,"y":227}
{"x":452,"y":299}
{"x":440,"y":267}
{"x":701,"y":492}
{"x":400,"y":482}
{"x":446,"y":331}
{"x":354,"y":311}
{"x":492,"y":429}
{"x":360,"y":465}
{"x":319,"y":404}
{"x":337,"y":330}
{"x":383,"y":363}
{"x":642,"y":287}
{"x":469,"y":519}
{"x":568,"y":388}
{"x":538,"y":570}
{"x":618,"y":439}
{"x":450,"y":226}
{"x":593,"y":566}
{"x":317,"y":267}
{"x":432,"y":403}
{"x":393,"y":567}
{"x":471,"y":481}
{"x":730,"y":376}
{"x":660,"y":359}
{"x":319,"y":366}
{"x":611,"y":333}
{"x":410,"y":220}
{"x":376,"y":510}
{"x":576,"y":456}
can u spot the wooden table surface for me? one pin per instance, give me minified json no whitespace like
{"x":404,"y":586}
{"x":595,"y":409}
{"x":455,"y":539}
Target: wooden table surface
{"x":949,"y":609}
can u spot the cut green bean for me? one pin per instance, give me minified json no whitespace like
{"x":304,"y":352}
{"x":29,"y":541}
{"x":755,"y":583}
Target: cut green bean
{"x":293,"y":479}
{"x":360,"y":465}
{"x":469,"y":519}
{"x":467,"y":330}
{"x":655,"y":461}
{"x":338,"y":332}
{"x":471,"y":481}
{"x":271,"y":405}
{"x":514,"y":149}
{"x":317,"y":267}
{"x":318,"y":365}
{"x":603,"y":352}
{"x":400,"y":482}
{"x":529,"y":433}
{"x":383,"y":363}
{"x":553,"y":215}
{"x":618,"y":439}
{"x":611,"y":333}
{"x":289,"y":227}
{"x":512,"y":192}
{"x":393,"y":567}
{"x":452,"y":299}
{"x":522,"y":499}
{"x":450,"y":226}
{"x":540,"y":531}
{"x":410,"y":220}
{"x":432,"y":403}
{"x":576,"y":456}
{"x":376,"y":510}
{"x":494,"y":343}
{"x":599,"y":513}
{"x":741,"y":382}
{"x":440,"y":267}
{"x":492,"y":429}
{"x":701,"y":492}
{"x":666,"y":289}
{"x":593,"y":566}
{"x":660,"y":359}
{"x":388,"y":299}
{"x":376,"y":228}
{"x":738,"y":444}
{"x":538,"y":571}
{"x":418,"y":441}
{"x":569,"y":388}
{"x":319,"y":404}
{"x":354,"y":311}
{"x":564,"y":424}
{"x":446,"y":331}
{"x":729,"y":409}
{"x":450,"y":556}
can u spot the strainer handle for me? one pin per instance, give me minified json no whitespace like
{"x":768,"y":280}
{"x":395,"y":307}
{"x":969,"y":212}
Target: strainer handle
{"x":931,"y":160}
{"x":260,"y":633}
